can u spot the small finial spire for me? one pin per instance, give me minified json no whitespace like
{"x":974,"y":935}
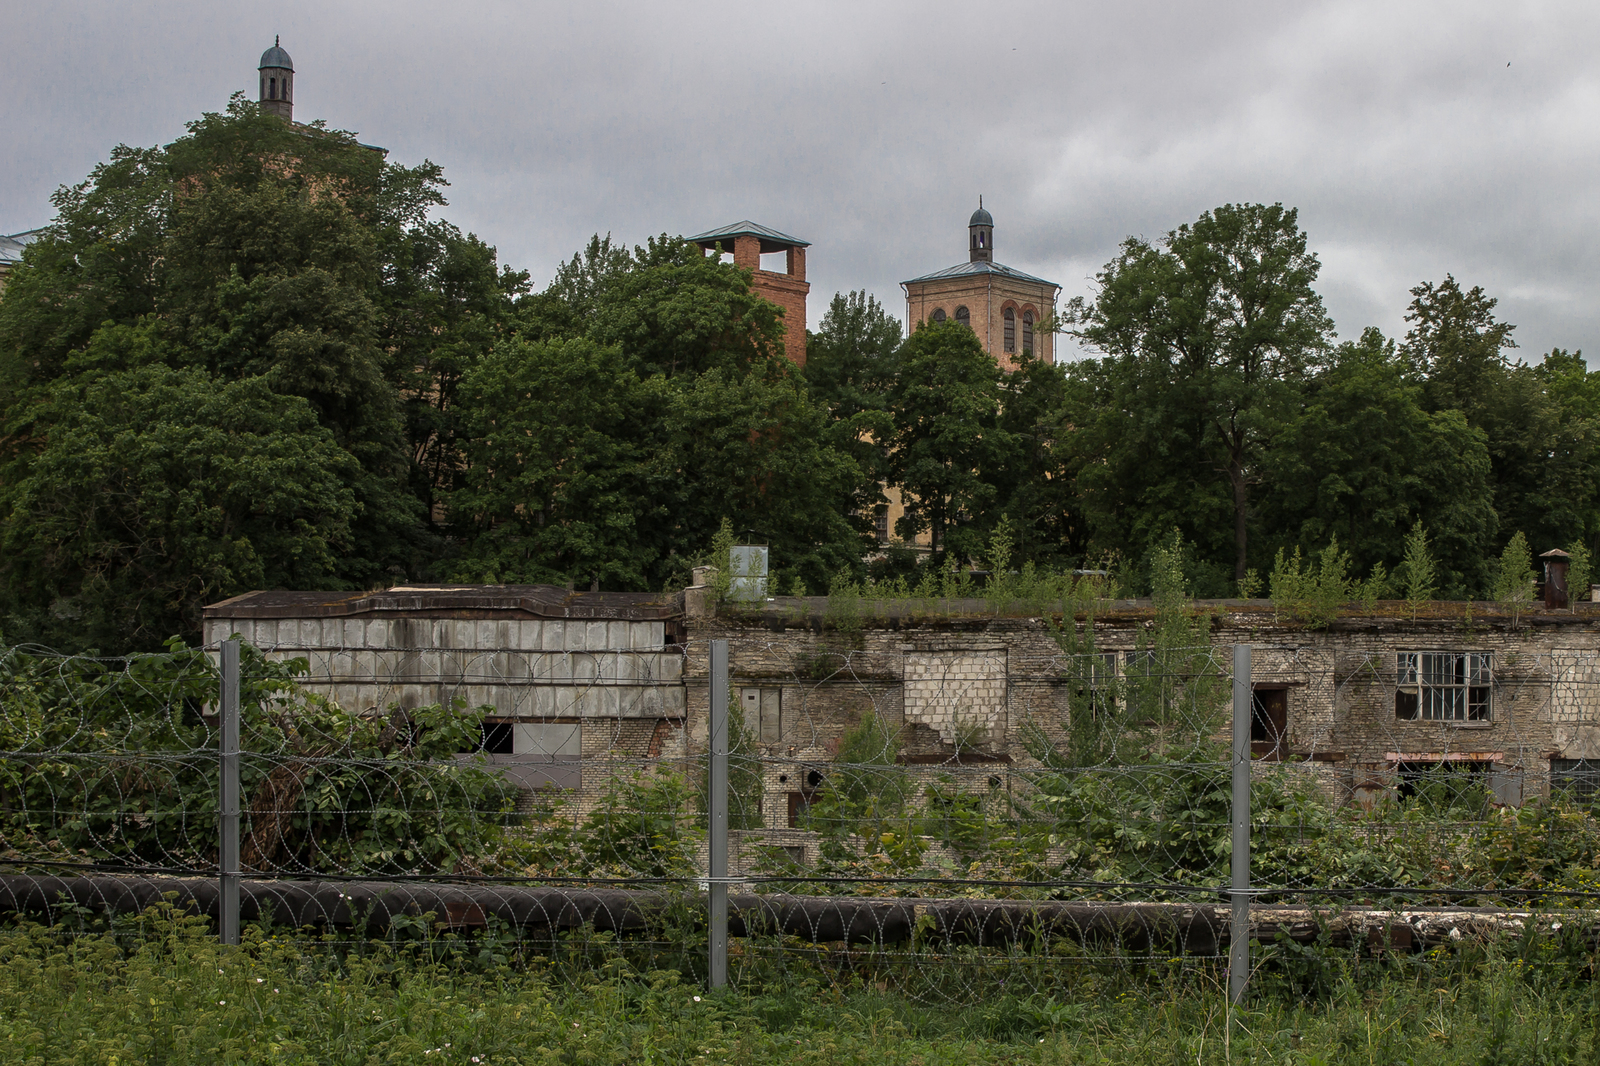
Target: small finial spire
{"x":276,"y":41}
{"x":980,"y":199}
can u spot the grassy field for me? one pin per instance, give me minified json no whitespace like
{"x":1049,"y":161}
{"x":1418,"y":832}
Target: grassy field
{"x":173,"y":996}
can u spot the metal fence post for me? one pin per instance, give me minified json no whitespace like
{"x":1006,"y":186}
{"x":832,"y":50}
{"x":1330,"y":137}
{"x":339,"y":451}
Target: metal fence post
{"x":717,"y":809}
{"x":1239,"y":941}
{"x":228,"y":801}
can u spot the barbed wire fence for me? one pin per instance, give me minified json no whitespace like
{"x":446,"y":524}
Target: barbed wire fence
{"x":950,"y":824}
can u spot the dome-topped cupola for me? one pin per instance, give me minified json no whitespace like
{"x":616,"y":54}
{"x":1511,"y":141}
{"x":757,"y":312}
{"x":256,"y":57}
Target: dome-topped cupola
{"x":277,"y":82}
{"x":980,"y":235}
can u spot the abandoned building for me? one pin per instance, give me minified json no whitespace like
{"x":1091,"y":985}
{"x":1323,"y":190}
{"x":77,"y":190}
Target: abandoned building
{"x":582,"y":680}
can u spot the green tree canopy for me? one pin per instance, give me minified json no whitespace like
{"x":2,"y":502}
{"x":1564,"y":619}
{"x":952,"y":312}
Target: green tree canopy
{"x":163,"y":489}
{"x":1211,"y":335}
{"x":851,"y":365}
{"x":1539,"y":421}
{"x":555,"y":482}
{"x":1362,"y":461}
{"x":949,"y":450}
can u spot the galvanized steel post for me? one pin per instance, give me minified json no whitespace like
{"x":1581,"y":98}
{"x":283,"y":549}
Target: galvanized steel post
{"x":717,"y":809}
{"x":1239,"y":941}
{"x":228,"y":801}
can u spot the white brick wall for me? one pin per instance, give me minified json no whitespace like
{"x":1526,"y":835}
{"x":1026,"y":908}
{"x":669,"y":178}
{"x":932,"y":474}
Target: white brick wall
{"x":959,"y":694}
{"x":522,"y":667}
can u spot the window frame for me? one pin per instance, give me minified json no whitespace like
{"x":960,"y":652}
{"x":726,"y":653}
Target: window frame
{"x":1578,"y":779}
{"x":1449,"y":687}
{"x":1009,"y":316}
{"x":1027,"y":332}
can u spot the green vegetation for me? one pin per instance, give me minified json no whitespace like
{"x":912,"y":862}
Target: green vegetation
{"x":165,"y":992}
{"x":120,"y":766}
{"x":1514,"y":576}
{"x":253,"y":358}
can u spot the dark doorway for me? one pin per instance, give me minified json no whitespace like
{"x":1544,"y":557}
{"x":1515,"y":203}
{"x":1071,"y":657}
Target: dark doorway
{"x":1269,"y":723}
{"x":800,"y":802}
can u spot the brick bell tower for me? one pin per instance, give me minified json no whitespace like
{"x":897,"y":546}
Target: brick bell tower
{"x":787,"y":288}
{"x":277,"y":82}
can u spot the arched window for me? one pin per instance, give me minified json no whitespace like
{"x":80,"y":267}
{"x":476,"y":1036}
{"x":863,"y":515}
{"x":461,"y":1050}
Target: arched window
{"x":1027,"y":332}
{"x":938,"y":315}
{"x":964,"y":316}
{"x":272,"y":90}
{"x":1011,"y":330}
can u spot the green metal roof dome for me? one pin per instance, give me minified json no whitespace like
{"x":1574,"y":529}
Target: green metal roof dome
{"x":276,"y":57}
{"x":980,"y":217}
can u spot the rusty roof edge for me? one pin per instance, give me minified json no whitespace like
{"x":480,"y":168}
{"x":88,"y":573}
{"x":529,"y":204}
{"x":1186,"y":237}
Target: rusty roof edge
{"x":546,"y":601}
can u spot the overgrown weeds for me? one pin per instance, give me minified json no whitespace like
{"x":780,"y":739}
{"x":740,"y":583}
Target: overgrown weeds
{"x":172,"y":995}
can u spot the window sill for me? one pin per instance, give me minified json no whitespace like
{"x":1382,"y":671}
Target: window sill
{"x":1445,"y":724}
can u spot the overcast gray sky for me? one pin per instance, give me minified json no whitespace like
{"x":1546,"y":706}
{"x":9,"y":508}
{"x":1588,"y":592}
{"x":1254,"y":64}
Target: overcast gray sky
{"x":1416,"y":139}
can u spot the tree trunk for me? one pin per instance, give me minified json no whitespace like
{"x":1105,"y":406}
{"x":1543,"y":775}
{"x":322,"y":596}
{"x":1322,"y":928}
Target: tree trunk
{"x":1241,"y":501}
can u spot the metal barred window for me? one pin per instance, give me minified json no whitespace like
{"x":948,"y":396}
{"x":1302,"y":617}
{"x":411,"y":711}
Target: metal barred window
{"x":1578,"y":778}
{"x":1443,"y":686}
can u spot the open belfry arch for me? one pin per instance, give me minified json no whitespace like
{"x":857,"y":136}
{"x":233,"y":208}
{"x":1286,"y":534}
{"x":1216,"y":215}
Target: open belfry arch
{"x":748,"y":242}
{"x":1003,"y":306}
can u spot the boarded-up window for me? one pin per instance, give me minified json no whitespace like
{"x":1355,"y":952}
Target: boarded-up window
{"x":1011,"y":330}
{"x":534,"y":754}
{"x":763,"y":709}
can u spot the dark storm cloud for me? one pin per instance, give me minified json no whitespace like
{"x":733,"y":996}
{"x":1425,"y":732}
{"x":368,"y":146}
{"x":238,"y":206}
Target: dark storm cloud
{"x":1398,"y":130}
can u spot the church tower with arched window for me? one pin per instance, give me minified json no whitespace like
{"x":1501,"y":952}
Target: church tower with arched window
{"x":1004,"y":307}
{"x":277,"y":82}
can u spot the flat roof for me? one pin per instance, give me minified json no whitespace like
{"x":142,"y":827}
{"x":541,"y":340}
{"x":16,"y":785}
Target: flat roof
{"x":455,"y":601}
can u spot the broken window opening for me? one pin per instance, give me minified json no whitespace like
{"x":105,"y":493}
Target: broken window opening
{"x":1446,"y":686}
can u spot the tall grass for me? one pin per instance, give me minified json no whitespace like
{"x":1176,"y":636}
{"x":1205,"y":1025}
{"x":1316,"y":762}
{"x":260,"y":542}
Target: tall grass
{"x":171,"y":995}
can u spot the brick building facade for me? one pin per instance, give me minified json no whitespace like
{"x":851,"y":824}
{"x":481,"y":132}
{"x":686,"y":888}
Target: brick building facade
{"x":1003,"y":306}
{"x":748,"y":242}
{"x":584,"y":683}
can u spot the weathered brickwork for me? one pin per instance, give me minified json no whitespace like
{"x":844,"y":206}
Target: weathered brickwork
{"x":958,"y":689}
{"x":986,"y":298}
{"x":961,"y":695}
{"x":973,"y":683}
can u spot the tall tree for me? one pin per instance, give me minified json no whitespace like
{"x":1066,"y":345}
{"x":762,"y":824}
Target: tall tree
{"x":851,"y":364}
{"x":1035,"y":483}
{"x":289,"y":258}
{"x":162,"y":490}
{"x":1362,"y":462}
{"x":1212,"y":333}
{"x":555,"y":485}
{"x":444,"y":302}
{"x":1541,"y":429}
{"x":949,"y":449}
{"x":680,"y":311}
